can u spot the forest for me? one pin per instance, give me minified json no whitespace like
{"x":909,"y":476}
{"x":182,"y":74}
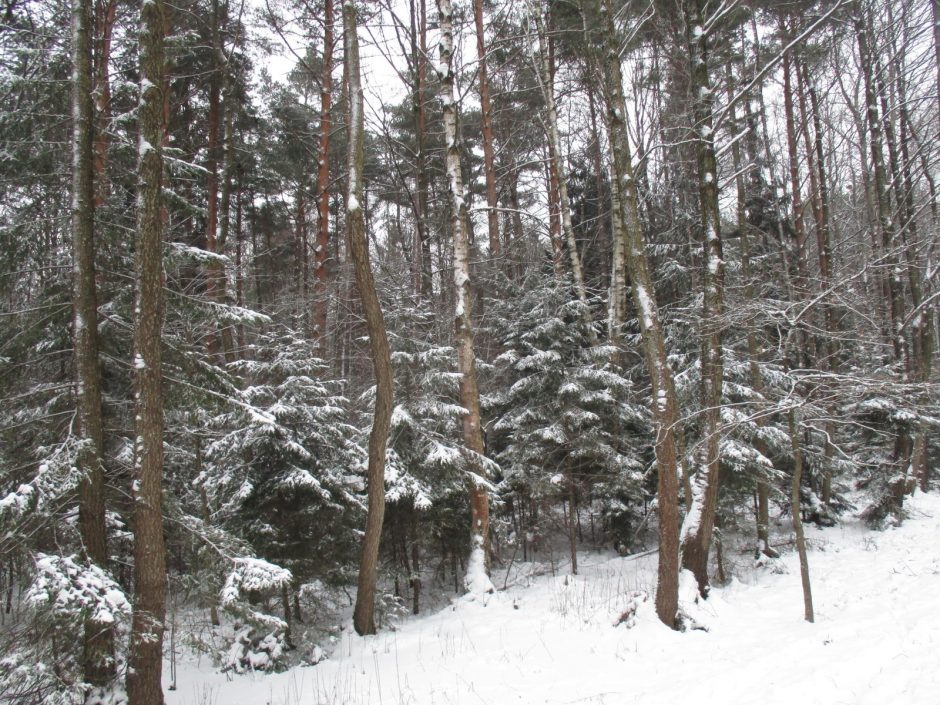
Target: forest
{"x":465,"y":286}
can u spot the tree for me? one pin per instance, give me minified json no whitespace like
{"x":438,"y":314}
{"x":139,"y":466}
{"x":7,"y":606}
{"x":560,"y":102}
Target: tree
{"x":145,"y":661}
{"x":363,"y":617}
{"x":99,"y":666}
{"x":664,"y":399}
{"x":477,"y":568}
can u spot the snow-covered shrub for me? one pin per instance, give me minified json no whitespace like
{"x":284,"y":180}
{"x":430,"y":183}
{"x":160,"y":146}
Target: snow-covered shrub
{"x":260,"y":643}
{"x":43,"y":654}
{"x":256,"y":650}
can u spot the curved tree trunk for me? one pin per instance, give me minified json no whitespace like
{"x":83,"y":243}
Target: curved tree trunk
{"x":364,"y":614}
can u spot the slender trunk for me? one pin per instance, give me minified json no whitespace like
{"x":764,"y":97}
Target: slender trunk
{"x":105,"y":15}
{"x":463,"y":330}
{"x":797,"y":519}
{"x":753,"y":346}
{"x":573,"y":525}
{"x":801,"y":280}
{"x":489,"y":168}
{"x":364,"y":614}
{"x":145,"y":660}
{"x":554,"y":217}
{"x":421,"y":264}
{"x":322,"y":249}
{"x":665,"y":400}
{"x":546,"y":81}
{"x":700,"y":521}
{"x":98,"y":644}
{"x":881,"y":186}
{"x":213,"y":157}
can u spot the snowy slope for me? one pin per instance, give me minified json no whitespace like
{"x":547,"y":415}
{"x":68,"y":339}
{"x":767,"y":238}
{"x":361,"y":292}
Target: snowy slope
{"x":876,"y":638}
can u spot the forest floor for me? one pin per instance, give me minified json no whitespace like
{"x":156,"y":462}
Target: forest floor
{"x":552,"y":639}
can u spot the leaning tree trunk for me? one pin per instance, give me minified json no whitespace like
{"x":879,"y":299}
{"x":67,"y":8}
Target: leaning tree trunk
{"x":665,"y":401}
{"x":477,"y":566}
{"x":700,"y":521}
{"x":364,"y":614}
{"x":98,"y":645}
{"x":145,"y":661}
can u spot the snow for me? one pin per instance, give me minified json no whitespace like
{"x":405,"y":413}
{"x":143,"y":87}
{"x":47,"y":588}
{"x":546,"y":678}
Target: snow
{"x":551,"y":637}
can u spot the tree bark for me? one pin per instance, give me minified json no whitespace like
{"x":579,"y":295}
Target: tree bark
{"x":469,"y":394}
{"x":546,"y":81}
{"x":145,"y":660}
{"x":489,"y":168}
{"x":797,"y":519}
{"x":105,"y":14}
{"x":665,"y":401}
{"x":321,"y":251}
{"x":98,"y":641}
{"x":364,"y":614}
{"x":699,"y":523}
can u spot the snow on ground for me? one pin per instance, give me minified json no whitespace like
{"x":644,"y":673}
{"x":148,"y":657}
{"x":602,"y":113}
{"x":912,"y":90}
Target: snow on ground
{"x":551,"y":639}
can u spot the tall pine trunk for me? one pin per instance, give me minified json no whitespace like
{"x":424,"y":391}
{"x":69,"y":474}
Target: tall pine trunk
{"x":321,"y":251}
{"x":98,"y":643}
{"x":145,"y":660}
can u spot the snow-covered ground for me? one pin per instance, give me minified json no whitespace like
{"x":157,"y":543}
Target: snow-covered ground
{"x":552,"y":639}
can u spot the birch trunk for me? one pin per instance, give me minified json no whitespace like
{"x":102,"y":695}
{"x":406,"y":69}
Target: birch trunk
{"x":477,"y":566}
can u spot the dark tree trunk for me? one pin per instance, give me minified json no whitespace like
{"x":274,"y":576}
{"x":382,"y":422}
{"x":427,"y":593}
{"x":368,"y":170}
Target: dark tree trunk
{"x":145,"y":660}
{"x":322,"y":249}
{"x":364,"y":615}
{"x":98,"y":646}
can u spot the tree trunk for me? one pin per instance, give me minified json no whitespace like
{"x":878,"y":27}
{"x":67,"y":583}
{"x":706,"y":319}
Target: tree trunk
{"x":322,"y":250}
{"x":753,"y":346}
{"x":145,"y":660}
{"x":546,"y":81}
{"x":105,"y":15}
{"x":489,"y":169}
{"x":797,"y":519}
{"x":699,"y":522}
{"x":665,"y":401}
{"x":364,"y":614}
{"x":478,"y":566}
{"x":98,"y":645}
